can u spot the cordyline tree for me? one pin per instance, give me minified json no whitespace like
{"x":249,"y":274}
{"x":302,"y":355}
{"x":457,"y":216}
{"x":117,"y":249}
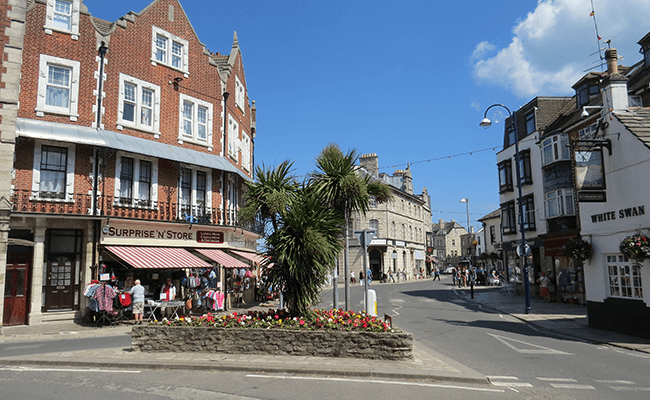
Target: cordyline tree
{"x":305,"y":221}
{"x":339,"y":185}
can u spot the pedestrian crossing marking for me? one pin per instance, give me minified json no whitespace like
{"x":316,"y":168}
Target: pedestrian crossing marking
{"x":612,"y":381}
{"x":557,"y":379}
{"x":571,"y":386}
{"x":631,"y":389}
{"x":537,"y":349}
{"x":512,"y":384}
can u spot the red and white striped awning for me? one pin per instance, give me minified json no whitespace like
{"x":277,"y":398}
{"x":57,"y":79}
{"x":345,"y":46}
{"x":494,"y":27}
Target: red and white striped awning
{"x":158,"y":257}
{"x":223,"y":258}
{"x":255,"y":258}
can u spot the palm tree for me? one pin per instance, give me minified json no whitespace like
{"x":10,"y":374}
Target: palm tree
{"x":337,"y":183}
{"x":302,"y":249}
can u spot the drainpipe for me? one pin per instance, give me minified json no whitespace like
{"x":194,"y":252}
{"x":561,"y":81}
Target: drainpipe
{"x":96,"y":223}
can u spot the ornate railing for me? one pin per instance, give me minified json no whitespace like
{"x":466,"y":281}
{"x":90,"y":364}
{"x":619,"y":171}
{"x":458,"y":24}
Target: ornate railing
{"x":35,"y":202}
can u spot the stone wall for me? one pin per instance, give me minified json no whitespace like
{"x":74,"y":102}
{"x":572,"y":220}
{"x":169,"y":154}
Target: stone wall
{"x":372,"y":345}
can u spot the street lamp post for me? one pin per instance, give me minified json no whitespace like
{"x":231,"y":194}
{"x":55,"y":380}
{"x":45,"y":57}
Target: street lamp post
{"x":486,"y":123}
{"x":466,"y":201}
{"x":469,"y":248}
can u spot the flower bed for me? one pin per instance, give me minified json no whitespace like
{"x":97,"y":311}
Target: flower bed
{"x":331,"y":333}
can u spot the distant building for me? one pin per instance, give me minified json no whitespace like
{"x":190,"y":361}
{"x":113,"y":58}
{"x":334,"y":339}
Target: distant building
{"x":402,"y":225}
{"x":447,"y":242}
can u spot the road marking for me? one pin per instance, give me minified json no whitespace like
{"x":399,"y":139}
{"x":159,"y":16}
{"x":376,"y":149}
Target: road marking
{"x":397,"y":300}
{"x":33,"y":369}
{"x":426,"y":300}
{"x":376,"y":381}
{"x":513,"y":384}
{"x":570,"y":386}
{"x":631,"y":389}
{"x":501,"y":377}
{"x":537,"y":350}
{"x":620,"y":382}
{"x":557,"y":379}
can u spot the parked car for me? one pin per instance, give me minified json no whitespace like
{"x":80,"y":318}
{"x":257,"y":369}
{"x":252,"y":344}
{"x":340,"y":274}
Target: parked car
{"x":448,"y":271}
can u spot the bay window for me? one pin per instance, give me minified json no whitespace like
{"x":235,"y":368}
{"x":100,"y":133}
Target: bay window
{"x":558,"y":203}
{"x":555,"y":148}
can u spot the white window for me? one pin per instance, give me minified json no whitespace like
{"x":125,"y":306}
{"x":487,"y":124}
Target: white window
{"x":233,"y":138}
{"x":246,"y":151}
{"x":62,"y":16}
{"x":588,"y":132}
{"x":195,"y":195}
{"x":555,"y":148}
{"x":558,"y":203}
{"x":58,"y":86}
{"x":240,"y":95}
{"x":53,"y":176}
{"x":195,"y":121}
{"x":374,"y":224}
{"x":168,"y":49}
{"x":624,"y":277}
{"x":136,"y":180}
{"x":139,"y":105}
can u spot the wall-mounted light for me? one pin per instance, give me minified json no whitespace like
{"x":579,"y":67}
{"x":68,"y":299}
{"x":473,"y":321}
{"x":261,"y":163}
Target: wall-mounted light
{"x":585,"y":113}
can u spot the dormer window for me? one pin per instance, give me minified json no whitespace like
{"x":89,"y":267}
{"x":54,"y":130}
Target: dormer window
{"x":584,"y":93}
{"x":62,"y":16}
{"x":169,"y":50}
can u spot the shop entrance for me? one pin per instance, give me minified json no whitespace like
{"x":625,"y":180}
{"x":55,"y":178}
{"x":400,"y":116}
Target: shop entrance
{"x":16,"y":301}
{"x":62,"y":275}
{"x":375,"y":264}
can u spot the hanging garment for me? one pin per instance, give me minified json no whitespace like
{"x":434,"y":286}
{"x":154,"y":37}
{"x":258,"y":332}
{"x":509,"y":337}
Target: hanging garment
{"x":104,"y":296}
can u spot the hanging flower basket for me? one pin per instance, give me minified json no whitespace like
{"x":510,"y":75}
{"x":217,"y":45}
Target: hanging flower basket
{"x":636,"y":247}
{"x":578,"y":249}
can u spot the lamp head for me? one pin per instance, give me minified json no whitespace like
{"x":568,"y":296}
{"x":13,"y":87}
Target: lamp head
{"x":465,"y":200}
{"x":486,"y":123}
{"x":584,"y":113}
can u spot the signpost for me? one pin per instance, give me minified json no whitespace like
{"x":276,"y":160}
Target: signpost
{"x":365,"y":237}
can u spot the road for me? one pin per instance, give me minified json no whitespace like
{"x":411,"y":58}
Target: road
{"x":522,"y":362}
{"x":513,"y":354}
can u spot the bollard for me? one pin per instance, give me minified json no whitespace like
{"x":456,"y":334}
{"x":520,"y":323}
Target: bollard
{"x":372,"y":300}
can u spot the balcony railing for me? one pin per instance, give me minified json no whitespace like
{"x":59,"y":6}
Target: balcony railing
{"x":81,"y":204}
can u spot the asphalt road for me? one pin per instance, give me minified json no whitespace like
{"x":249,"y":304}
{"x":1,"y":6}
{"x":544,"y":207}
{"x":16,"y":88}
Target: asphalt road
{"x":516,"y":356}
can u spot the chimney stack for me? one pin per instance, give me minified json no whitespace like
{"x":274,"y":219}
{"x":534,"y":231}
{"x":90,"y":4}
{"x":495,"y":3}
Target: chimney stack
{"x":615,"y":84}
{"x":611,"y":55}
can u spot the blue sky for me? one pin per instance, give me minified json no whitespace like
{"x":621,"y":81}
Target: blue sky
{"x":407,"y":80}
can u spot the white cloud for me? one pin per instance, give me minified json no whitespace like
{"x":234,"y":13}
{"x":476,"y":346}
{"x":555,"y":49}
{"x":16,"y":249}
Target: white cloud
{"x":551,"y":47}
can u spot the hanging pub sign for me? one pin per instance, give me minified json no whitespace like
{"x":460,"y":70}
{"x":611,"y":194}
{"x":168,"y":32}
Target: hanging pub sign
{"x":590,"y":175}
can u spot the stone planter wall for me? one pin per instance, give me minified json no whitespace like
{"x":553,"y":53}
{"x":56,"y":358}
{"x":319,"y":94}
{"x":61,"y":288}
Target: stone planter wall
{"x":372,"y":345}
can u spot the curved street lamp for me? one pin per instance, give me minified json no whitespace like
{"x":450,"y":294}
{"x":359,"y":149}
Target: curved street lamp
{"x":486,"y":123}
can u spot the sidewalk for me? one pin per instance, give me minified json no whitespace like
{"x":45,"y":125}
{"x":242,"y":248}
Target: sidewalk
{"x":426,"y":364}
{"x":567,"y":319}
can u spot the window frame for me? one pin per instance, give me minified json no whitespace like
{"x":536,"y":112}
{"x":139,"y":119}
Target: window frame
{"x":240,"y":95}
{"x":626,"y":282}
{"x":140,"y":87}
{"x":50,"y":13}
{"x":528,"y":212}
{"x":194,"y":206}
{"x":168,"y":50}
{"x":136,"y":200}
{"x":505,"y":173}
{"x":531,"y":123}
{"x":555,"y":149}
{"x":564,"y":203}
{"x":233,"y":138}
{"x":508,"y":218}
{"x":68,"y":194}
{"x":525,"y":170}
{"x":42,"y":107}
{"x":196,"y":105}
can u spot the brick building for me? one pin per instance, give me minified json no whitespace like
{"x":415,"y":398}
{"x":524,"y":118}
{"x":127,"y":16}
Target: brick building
{"x":133,"y":141}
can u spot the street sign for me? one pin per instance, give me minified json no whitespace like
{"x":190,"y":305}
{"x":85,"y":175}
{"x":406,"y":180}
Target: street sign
{"x":365,"y":237}
{"x":523,"y":250}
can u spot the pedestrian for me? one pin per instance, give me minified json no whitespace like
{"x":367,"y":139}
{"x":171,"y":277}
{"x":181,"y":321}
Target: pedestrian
{"x":352,"y":280}
{"x":543,"y":288}
{"x":390,"y":275}
{"x":399,"y":272}
{"x":137,"y":294}
{"x":436,"y":274}
{"x":361,"y":278}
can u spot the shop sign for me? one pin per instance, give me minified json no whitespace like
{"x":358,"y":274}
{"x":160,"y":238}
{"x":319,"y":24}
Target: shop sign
{"x":620,"y":214}
{"x":209,"y":237}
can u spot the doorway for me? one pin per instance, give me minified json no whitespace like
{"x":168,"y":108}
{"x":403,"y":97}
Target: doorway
{"x":61,"y":279}
{"x":16,"y":300}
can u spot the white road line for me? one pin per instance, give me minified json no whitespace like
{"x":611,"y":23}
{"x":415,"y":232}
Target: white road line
{"x":536,"y":350}
{"x":620,"y":382}
{"x":478,"y":389}
{"x":570,"y":386}
{"x":501,"y":377}
{"x":631,"y":389}
{"x":102,"y":370}
{"x":513,"y":384}
{"x":426,"y":300}
{"x":557,"y":379}
{"x":397,"y":300}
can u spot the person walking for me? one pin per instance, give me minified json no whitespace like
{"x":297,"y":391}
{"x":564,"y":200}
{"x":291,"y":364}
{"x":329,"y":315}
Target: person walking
{"x":390,"y":275}
{"x":543,"y":288}
{"x":436,"y":274}
{"x":352,"y":280}
{"x":137,"y":294}
{"x":361,"y":278}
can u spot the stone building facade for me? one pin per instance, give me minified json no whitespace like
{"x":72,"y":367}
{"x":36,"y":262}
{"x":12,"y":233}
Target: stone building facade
{"x":402,"y":226}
